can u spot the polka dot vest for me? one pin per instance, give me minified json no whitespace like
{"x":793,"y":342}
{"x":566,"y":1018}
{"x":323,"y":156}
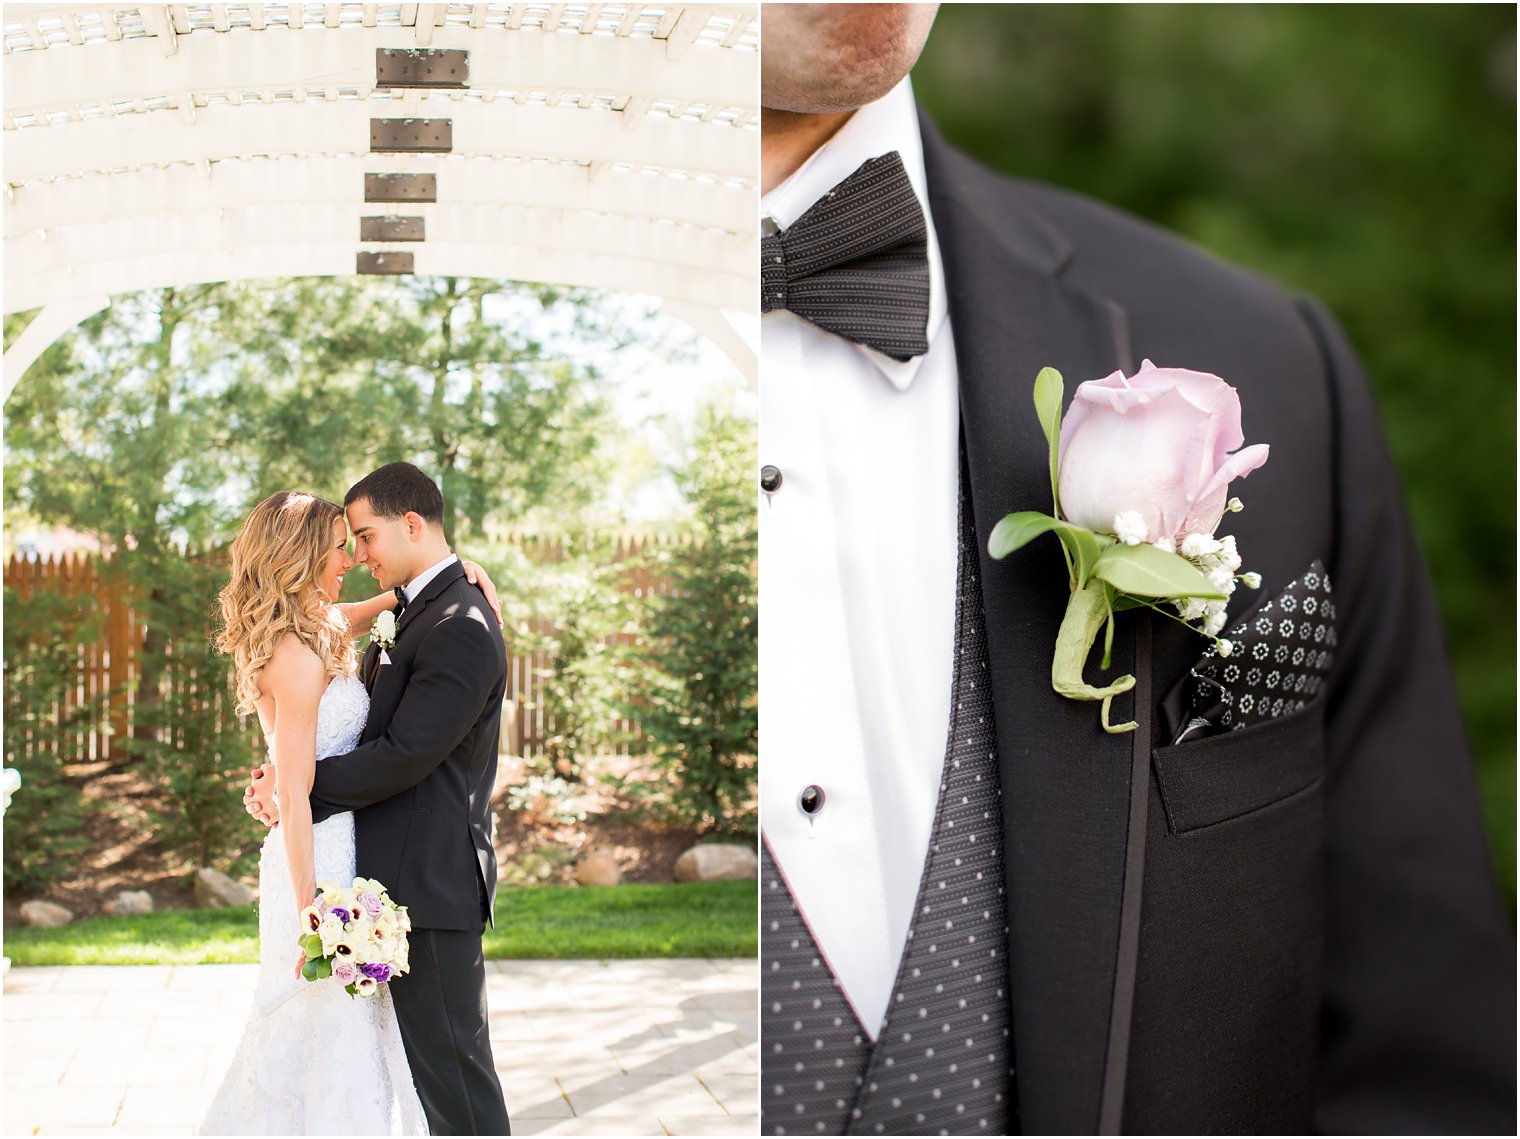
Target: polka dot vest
{"x":942,"y":1063}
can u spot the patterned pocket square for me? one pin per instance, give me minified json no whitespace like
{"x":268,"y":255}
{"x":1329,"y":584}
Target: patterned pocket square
{"x":1282,"y":653}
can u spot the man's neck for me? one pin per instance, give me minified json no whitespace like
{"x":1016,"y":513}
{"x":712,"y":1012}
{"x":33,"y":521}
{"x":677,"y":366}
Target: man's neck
{"x":788,"y":139}
{"x":426,"y":562}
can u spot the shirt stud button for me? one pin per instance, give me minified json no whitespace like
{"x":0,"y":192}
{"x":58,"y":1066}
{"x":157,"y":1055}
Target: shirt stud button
{"x":811,"y":799}
{"x":770,"y":478}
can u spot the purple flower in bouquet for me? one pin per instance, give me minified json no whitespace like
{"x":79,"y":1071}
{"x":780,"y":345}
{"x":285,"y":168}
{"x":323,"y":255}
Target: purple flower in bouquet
{"x":343,"y":915}
{"x":376,"y":971}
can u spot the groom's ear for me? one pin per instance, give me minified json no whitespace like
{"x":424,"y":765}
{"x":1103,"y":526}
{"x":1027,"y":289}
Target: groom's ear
{"x":416,"y":525}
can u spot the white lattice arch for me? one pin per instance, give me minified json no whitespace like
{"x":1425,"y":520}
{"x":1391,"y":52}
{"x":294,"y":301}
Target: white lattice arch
{"x":607,"y":145}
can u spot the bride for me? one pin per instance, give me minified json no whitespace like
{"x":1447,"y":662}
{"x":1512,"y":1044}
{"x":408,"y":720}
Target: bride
{"x":312,"y":1059}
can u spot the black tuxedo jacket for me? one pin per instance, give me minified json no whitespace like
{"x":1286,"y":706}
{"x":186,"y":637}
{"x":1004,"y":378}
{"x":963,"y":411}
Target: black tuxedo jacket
{"x":420,"y":780}
{"x":1322,"y":946}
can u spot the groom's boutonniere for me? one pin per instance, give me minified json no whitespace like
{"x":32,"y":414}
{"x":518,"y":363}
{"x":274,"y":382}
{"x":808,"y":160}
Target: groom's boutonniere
{"x":1139,"y":473}
{"x":383,"y":631}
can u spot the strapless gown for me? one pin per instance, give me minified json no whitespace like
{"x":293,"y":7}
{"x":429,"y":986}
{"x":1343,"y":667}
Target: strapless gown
{"x":312,"y":1059}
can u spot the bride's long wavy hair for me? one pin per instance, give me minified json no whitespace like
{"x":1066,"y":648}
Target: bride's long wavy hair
{"x":277,"y":563}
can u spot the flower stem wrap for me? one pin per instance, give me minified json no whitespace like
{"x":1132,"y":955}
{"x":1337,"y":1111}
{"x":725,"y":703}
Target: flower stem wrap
{"x":1086,"y":613}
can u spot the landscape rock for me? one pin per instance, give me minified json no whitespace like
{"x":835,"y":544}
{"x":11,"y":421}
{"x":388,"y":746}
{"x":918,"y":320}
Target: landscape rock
{"x":597,"y":868}
{"x":215,"y":891}
{"x":45,"y":915}
{"x":129,"y":903}
{"x":717,"y":862}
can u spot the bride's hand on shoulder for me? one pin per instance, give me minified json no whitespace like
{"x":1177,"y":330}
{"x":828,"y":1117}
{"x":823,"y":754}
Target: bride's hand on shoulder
{"x":477,"y":576}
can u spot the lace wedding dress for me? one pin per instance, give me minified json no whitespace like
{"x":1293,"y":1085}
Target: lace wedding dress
{"x":313,"y":1060}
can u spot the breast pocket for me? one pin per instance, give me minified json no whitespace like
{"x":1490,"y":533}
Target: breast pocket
{"x":1230,"y":776}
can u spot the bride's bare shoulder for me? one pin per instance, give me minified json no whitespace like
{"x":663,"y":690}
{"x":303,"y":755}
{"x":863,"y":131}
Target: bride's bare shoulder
{"x":293,"y":668}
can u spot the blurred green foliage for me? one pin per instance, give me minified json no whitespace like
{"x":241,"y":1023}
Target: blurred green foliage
{"x":157,"y":423}
{"x":698,"y":686}
{"x":1362,"y":154}
{"x":45,"y":836}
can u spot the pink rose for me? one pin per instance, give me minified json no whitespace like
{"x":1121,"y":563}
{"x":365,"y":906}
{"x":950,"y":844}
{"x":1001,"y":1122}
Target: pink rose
{"x":371,"y":903}
{"x":345,"y":971}
{"x":1156,"y":445}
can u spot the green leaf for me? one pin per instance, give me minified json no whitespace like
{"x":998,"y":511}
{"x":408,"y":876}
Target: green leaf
{"x":1049,"y":392}
{"x":311,"y":945}
{"x":1145,"y":571}
{"x":1085,"y":547}
{"x":316,"y":970}
{"x":1016,"y":530}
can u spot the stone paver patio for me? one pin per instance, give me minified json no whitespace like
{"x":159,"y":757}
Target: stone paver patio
{"x":582,"y":1047}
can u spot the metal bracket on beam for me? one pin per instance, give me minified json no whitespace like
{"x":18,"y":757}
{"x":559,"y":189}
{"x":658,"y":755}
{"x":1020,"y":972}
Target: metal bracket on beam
{"x":401,"y":187}
{"x":422,"y":67}
{"x":411,"y":136}
{"x":392,"y":229}
{"x":384,"y":264}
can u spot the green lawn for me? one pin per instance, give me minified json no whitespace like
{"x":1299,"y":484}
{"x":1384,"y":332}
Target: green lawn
{"x":706,"y":919}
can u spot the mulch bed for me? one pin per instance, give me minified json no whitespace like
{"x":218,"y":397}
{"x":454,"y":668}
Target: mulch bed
{"x":124,"y":855}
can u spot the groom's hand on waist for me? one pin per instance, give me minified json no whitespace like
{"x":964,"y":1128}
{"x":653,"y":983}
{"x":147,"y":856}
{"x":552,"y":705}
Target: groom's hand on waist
{"x":258,"y":799}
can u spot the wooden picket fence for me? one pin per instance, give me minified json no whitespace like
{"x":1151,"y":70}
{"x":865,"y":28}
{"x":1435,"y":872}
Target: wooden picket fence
{"x":95,"y":710}
{"x":95,"y":705}
{"x":527,"y":722}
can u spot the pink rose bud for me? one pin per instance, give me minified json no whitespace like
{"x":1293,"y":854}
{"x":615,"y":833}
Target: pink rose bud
{"x":346,"y":972}
{"x":372,"y":904}
{"x":1156,"y":448}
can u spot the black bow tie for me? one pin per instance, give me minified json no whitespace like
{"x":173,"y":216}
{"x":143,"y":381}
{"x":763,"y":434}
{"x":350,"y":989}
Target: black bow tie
{"x":856,"y":263}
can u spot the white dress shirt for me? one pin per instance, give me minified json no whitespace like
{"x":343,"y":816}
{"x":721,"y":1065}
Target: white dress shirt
{"x":418,"y":583}
{"x":857,"y":594}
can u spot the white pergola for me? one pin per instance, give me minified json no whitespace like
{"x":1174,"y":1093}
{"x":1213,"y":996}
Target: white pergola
{"x":606,"y":145}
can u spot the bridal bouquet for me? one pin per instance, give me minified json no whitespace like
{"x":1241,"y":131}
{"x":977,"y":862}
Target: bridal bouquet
{"x":356,"y":935}
{"x":1140,"y":469}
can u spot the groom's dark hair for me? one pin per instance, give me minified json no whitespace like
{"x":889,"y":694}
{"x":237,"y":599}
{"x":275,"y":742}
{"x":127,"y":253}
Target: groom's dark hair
{"x":396,"y":488}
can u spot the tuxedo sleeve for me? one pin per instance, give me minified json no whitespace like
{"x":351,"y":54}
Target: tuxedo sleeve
{"x":451,"y":679}
{"x":1419,"y":998}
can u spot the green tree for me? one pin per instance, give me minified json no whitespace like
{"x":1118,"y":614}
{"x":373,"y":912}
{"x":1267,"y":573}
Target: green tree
{"x":159,"y":421}
{"x":580,"y":614}
{"x":43,"y":831}
{"x":483,"y":384}
{"x":698,"y":705}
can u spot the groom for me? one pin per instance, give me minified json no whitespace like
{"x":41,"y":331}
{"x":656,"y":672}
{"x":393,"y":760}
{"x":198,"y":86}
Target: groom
{"x":420,"y":785}
{"x":1026,"y":924}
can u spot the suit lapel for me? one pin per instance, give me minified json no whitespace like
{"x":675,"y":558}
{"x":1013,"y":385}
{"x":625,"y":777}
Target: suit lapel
{"x":367,"y":665}
{"x":1066,"y":784}
{"x":446,"y":577}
